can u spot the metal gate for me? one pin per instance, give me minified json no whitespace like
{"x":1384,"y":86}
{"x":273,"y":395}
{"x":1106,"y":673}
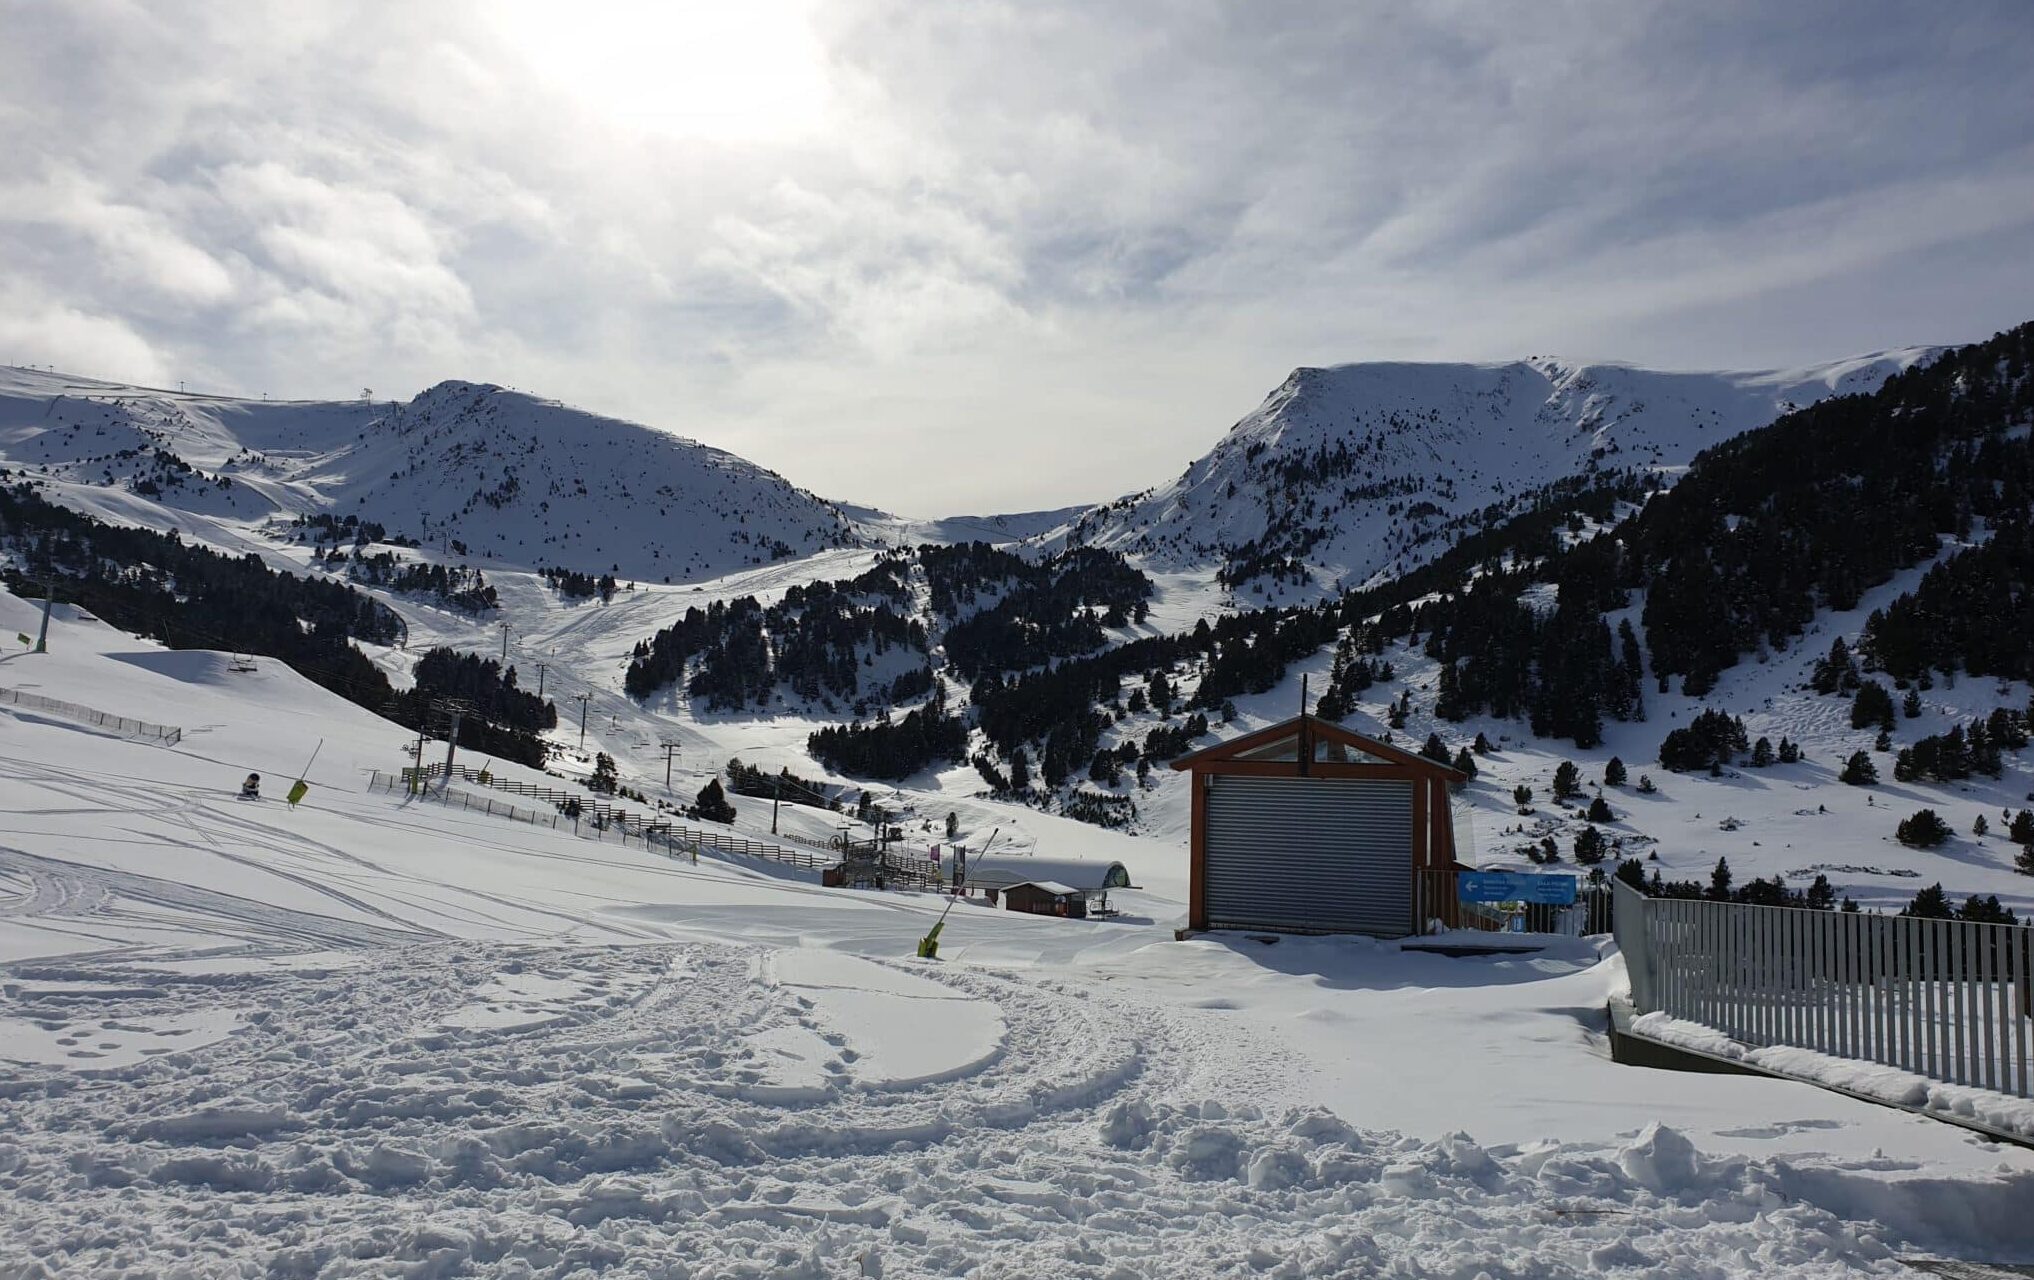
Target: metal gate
{"x":1309,"y":855}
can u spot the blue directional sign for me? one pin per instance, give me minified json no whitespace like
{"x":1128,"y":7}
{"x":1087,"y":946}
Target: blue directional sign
{"x":1514,"y":886}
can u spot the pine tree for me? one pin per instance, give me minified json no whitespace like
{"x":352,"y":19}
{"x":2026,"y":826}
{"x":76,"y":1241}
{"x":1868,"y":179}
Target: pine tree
{"x":1980,"y":827}
{"x":1873,"y":706}
{"x":1790,"y":752}
{"x":1762,"y":753}
{"x":1924,"y":830}
{"x":1836,"y":673}
{"x":1859,"y":771}
{"x":1719,"y":881}
{"x":1614,"y":773}
{"x":1522,"y":795}
{"x":1464,"y":762}
{"x":1599,"y":811}
{"x":1884,"y":742}
{"x":1589,"y":846}
{"x":712,"y":803}
{"x":1645,"y":784}
{"x":1930,"y":904}
{"x":952,"y":824}
{"x":1910,"y":705}
{"x":1986,"y":910}
{"x":1483,"y":747}
{"x":1020,"y":770}
{"x":1435,"y":750}
{"x":2021,"y":830}
{"x":1567,"y":780}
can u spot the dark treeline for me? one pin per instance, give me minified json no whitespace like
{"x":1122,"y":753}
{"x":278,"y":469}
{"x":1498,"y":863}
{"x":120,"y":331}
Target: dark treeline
{"x":504,"y":721}
{"x":816,"y":641}
{"x":574,"y":585}
{"x":326,"y":527}
{"x":1563,"y":669}
{"x":1973,"y":612}
{"x":455,"y":585}
{"x":749,"y":780}
{"x":153,"y":584}
{"x":894,"y":748}
{"x":1829,"y":501}
{"x":1961,"y":752}
{"x":1765,"y":529}
{"x":1055,"y":608}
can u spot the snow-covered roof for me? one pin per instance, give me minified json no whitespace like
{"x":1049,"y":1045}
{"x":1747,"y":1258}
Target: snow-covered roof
{"x":1084,"y":875}
{"x":1048,"y":886}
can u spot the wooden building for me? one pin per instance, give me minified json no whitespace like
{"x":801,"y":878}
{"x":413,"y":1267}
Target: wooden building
{"x":1308,"y":827}
{"x":1092,"y":878}
{"x":1046,"y":898}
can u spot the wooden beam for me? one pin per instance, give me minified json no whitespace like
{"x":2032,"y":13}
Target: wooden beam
{"x":1419,"y":824}
{"x":1197,"y":855}
{"x":1286,"y":769}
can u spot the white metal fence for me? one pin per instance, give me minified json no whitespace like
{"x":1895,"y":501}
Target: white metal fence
{"x":1946,"y":999}
{"x":168,"y":735}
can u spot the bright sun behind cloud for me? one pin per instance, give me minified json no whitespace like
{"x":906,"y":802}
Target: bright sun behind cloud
{"x":733,"y":71}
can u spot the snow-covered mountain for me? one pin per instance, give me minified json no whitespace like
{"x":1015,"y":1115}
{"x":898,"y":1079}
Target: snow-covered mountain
{"x":1351,"y":473}
{"x":511,"y":477}
{"x":1018,"y":526}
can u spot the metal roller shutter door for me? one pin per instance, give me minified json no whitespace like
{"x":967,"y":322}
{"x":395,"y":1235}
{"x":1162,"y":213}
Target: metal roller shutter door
{"x":1311,"y":855}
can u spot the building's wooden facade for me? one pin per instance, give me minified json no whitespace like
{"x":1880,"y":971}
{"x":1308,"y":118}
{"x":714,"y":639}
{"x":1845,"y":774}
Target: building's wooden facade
{"x":1309,"y":827}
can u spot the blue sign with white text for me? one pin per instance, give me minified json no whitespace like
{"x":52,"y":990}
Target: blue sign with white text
{"x":1515,"y":886}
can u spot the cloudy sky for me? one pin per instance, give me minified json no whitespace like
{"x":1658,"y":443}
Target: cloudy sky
{"x":958,"y":257}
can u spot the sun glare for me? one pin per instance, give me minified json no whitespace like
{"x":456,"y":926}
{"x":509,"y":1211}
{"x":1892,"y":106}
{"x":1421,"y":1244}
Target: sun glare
{"x":734,"y":71}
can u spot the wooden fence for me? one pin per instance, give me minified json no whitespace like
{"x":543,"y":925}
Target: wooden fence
{"x":599,"y":819}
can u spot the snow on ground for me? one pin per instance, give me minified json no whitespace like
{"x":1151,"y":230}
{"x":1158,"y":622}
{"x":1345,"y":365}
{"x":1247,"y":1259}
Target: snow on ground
{"x":372,"y":1036}
{"x":1889,"y":1084}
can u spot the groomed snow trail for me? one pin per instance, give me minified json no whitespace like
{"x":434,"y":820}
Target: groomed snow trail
{"x":457,"y":1109}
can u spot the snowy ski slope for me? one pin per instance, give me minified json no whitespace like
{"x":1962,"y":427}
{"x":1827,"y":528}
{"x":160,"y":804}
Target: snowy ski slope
{"x":371,"y":1036}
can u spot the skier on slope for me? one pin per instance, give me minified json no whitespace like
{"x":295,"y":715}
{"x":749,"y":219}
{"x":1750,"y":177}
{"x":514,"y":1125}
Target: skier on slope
{"x":251,"y":789}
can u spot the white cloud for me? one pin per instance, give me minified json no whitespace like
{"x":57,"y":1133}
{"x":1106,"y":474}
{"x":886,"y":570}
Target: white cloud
{"x":36,"y":330}
{"x":965,"y":255}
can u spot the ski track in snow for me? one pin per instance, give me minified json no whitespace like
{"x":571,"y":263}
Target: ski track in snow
{"x":627,"y":1118}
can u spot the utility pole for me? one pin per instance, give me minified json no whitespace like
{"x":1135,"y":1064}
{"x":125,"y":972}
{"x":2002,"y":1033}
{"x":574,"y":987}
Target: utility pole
{"x":541,"y":668}
{"x":451,"y":710}
{"x":504,"y":643}
{"x":417,"y":776}
{"x":584,"y":698}
{"x":776,"y":798}
{"x":48,"y":601}
{"x":670,"y":746}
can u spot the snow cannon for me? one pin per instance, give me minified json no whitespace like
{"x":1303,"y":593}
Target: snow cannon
{"x":928,"y":946}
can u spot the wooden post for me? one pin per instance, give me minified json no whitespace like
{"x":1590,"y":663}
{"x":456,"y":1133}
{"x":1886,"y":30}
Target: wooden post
{"x":1197,"y":865}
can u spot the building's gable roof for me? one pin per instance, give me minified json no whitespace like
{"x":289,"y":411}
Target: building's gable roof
{"x":1275,"y":741}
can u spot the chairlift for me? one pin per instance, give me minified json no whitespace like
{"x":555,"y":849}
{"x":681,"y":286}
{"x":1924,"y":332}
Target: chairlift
{"x":243,"y":662}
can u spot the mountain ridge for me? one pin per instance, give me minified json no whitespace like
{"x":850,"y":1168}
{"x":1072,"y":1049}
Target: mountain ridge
{"x":510,"y":477}
{"x":1348,"y":473}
